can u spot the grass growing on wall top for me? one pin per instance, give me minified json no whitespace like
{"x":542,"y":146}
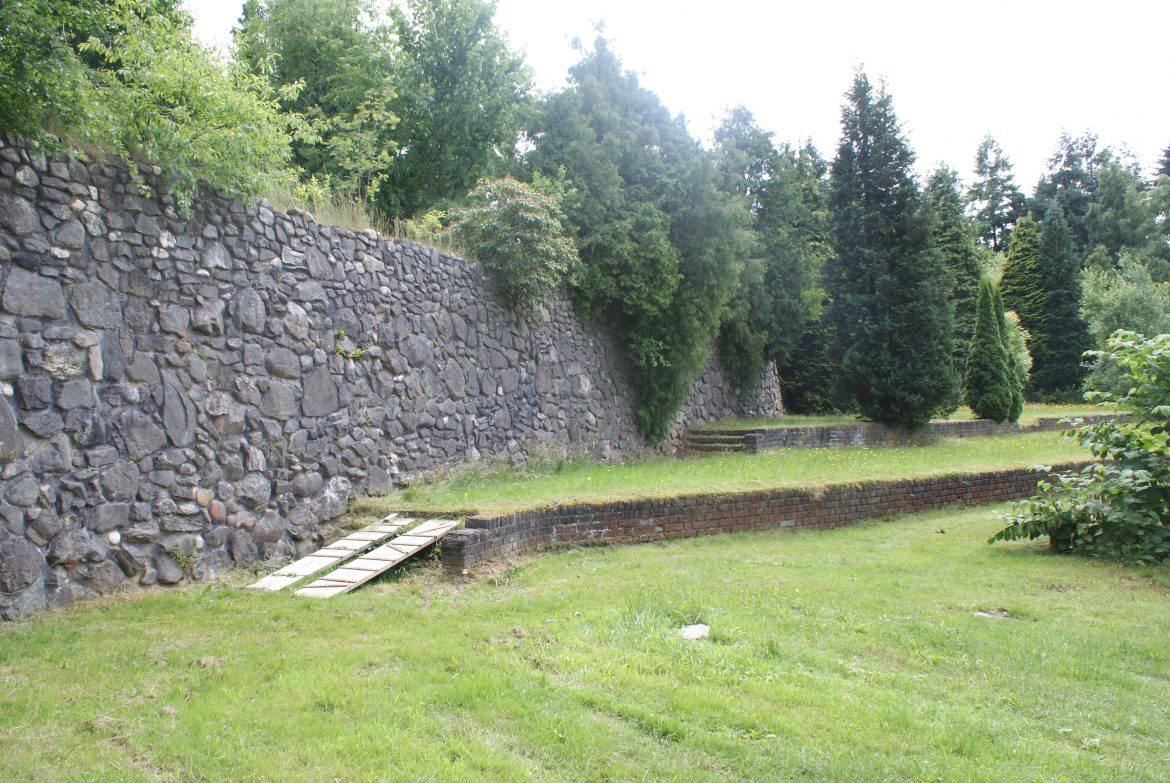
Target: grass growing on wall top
{"x":843,"y":656}
{"x":1032,"y":412}
{"x":502,"y":489}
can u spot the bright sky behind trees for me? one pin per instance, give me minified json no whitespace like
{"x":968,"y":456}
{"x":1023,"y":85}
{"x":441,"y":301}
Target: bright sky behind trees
{"x":1021,"y":71}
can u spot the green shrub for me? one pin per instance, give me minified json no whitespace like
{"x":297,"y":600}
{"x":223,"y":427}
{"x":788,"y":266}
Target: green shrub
{"x":1125,"y":297}
{"x":425,"y":229}
{"x":177,"y":105}
{"x":1120,"y":506}
{"x":516,"y":231}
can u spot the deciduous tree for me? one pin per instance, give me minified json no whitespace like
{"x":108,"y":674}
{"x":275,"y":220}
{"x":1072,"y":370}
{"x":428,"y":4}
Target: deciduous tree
{"x":460,"y":95}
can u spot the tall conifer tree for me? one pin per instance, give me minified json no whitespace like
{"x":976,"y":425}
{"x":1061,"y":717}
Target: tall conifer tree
{"x":1022,"y":284}
{"x":987,"y":385}
{"x":1057,"y":368}
{"x":954,"y":237}
{"x":887,"y":285}
{"x":781,"y":294}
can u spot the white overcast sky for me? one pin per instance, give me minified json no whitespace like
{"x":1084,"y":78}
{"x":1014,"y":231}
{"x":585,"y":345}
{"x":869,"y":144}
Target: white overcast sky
{"x":1022,"y":71}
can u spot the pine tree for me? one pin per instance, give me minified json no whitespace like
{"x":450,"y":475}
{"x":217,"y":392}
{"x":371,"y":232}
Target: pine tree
{"x":954,"y":238}
{"x":886,"y":284}
{"x":988,"y":381}
{"x":994,"y":198}
{"x":1017,"y":373}
{"x":1164,"y":164}
{"x":1058,"y":368}
{"x":1022,"y":284}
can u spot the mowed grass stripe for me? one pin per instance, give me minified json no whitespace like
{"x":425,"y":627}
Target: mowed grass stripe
{"x":497,"y":490}
{"x":1032,"y":412}
{"x":845,"y":655}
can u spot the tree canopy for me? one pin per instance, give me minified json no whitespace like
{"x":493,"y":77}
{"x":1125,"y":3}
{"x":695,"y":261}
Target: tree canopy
{"x":661,"y":247}
{"x":859,"y":282}
{"x":995,"y":201}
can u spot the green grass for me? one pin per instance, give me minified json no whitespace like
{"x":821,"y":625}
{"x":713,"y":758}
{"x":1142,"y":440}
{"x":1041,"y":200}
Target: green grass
{"x":1032,"y":412}
{"x":502,"y":489}
{"x":838,"y":656}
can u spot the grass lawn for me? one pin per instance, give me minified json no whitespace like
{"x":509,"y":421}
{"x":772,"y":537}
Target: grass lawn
{"x":1032,"y":412}
{"x":847,"y":655}
{"x":501,"y":489}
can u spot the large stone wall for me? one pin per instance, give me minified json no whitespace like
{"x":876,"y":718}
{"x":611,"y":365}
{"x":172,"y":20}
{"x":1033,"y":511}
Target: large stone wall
{"x":180,"y":395}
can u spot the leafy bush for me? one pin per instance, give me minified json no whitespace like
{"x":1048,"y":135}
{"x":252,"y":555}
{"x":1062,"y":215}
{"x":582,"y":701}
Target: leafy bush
{"x":180,"y":107}
{"x":518,"y":234}
{"x":1125,"y":297}
{"x":1118,"y":507}
{"x":426,"y":229}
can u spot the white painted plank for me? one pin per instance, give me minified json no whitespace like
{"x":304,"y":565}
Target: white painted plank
{"x":332,"y":554}
{"x":379,"y":560}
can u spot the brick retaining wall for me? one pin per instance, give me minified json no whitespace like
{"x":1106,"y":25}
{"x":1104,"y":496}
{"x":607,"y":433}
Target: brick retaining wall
{"x":486,"y":538}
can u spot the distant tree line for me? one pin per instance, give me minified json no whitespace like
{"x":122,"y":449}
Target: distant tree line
{"x":871,"y":290}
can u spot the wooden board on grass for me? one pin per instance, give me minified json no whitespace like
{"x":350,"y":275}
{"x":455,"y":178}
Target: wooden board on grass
{"x":333,"y":554}
{"x":361,"y":570}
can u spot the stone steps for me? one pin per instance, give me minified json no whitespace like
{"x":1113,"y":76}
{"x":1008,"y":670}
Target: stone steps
{"x":714,"y":441}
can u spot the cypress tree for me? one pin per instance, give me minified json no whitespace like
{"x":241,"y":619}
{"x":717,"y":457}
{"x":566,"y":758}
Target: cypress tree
{"x":988,"y":389}
{"x":1057,"y":370}
{"x":888,"y":287}
{"x":1022,"y":286}
{"x":1017,"y":377}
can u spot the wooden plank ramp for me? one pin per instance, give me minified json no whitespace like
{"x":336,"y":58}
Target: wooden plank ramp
{"x":363,"y":569}
{"x":333,"y":554}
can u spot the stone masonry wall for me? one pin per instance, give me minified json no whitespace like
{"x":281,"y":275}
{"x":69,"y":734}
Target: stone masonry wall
{"x":181,"y":395}
{"x":485,"y":538}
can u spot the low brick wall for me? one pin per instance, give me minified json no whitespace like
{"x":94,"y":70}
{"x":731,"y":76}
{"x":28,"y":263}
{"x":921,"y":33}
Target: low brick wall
{"x":486,"y":538}
{"x":868,"y":434}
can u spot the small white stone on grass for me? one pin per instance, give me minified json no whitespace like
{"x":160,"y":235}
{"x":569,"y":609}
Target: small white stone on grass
{"x":698,"y":631}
